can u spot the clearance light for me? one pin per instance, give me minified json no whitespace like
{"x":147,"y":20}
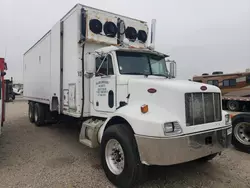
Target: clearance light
{"x":144,"y":108}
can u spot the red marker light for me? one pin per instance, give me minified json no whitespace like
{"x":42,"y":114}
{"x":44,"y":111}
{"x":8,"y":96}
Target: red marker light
{"x":203,"y":88}
{"x":152,"y":90}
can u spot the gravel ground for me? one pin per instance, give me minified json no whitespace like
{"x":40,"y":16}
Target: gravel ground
{"x":52,"y":157}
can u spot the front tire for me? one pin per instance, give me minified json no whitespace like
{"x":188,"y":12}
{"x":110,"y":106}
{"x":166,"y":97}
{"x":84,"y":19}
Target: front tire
{"x":120,"y":157}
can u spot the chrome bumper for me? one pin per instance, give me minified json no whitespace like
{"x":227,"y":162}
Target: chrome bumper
{"x":168,"y":151}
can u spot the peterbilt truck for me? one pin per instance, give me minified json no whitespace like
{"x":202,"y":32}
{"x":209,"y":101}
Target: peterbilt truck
{"x":102,"y":70}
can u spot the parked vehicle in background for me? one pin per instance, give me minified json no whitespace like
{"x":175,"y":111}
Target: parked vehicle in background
{"x":3,"y":67}
{"x":241,"y":130}
{"x":96,"y":68}
{"x":235,"y":88}
{"x":9,"y":93}
{"x":17,"y":89}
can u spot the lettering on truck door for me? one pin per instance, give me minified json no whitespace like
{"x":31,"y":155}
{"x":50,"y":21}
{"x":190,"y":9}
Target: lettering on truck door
{"x":104,"y":85}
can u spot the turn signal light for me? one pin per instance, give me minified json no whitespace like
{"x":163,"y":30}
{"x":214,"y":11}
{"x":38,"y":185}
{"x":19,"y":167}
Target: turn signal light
{"x":144,"y":108}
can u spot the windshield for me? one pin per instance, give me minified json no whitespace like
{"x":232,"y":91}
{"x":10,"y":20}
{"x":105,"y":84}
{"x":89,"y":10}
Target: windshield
{"x":140,"y":63}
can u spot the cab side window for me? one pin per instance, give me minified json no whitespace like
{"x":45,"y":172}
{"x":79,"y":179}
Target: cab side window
{"x":104,"y":66}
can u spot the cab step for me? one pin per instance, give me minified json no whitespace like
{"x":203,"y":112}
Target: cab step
{"x":89,"y":132}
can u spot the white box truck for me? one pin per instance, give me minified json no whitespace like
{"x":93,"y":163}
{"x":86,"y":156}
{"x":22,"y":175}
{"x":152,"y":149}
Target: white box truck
{"x":101,"y":69}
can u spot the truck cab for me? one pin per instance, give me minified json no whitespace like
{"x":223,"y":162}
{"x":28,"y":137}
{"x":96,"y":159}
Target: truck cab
{"x":115,"y":68}
{"x":121,"y":77}
{"x":172,"y":121}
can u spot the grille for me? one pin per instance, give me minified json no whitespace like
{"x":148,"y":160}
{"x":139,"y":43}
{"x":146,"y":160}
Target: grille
{"x":202,"y":108}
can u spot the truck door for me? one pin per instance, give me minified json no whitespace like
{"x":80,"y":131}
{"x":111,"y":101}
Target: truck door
{"x":104,"y":85}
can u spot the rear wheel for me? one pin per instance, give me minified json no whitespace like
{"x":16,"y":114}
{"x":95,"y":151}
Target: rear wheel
{"x":120,"y":157}
{"x":39,"y":114}
{"x":31,"y":112}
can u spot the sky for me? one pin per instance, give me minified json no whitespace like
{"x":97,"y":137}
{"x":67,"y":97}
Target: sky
{"x":201,"y":36}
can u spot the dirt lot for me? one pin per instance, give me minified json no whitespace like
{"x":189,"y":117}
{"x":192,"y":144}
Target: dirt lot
{"x":52,"y":157}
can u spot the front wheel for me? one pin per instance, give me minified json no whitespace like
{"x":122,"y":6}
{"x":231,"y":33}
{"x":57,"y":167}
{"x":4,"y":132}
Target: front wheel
{"x":120,"y":157}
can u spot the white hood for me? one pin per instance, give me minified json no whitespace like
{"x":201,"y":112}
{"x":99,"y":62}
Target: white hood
{"x":169,"y":95}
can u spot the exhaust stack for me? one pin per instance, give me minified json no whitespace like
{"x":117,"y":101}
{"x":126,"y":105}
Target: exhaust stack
{"x":152,"y":41}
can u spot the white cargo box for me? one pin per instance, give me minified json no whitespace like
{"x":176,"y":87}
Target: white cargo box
{"x":53,"y":67}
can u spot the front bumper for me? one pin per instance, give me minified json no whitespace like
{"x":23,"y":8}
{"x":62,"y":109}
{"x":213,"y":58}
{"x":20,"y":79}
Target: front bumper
{"x":168,"y":151}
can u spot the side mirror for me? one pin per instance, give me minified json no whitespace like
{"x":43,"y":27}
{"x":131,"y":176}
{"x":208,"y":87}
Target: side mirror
{"x":172,"y":71}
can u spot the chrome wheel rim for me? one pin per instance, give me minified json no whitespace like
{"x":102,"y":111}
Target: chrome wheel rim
{"x":242,"y":133}
{"x":114,"y":156}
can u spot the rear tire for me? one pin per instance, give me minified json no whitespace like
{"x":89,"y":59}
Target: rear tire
{"x":129,"y":171}
{"x":31,"y":112}
{"x":39,"y":114}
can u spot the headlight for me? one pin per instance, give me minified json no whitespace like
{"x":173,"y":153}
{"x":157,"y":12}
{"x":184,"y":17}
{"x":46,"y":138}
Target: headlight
{"x":172,"y":128}
{"x":228,"y":119}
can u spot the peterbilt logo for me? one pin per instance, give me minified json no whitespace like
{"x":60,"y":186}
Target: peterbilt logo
{"x":203,"y":88}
